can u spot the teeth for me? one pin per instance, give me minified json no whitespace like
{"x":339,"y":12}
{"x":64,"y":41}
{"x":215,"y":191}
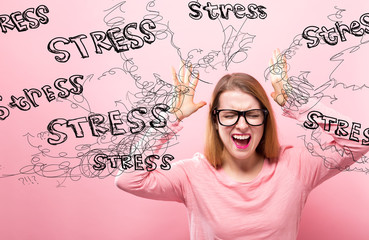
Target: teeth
{"x":241,"y":137}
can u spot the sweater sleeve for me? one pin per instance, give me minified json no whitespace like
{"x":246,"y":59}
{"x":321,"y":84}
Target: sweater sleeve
{"x":158,"y":184}
{"x":331,"y":143}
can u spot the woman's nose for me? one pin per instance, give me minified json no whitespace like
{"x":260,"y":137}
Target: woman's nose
{"x":242,"y":124}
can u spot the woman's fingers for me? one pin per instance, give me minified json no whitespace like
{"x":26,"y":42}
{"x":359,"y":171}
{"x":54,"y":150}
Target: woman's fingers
{"x":279,"y":78}
{"x":185,"y":84}
{"x":279,"y":98}
{"x":188,"y":79}
{"x":177,"y":92}
{"x":277,"y":52}
{"x":182,"y":72}
{"x":175,"y":78}
{"x":285,"y":64}
{"x":192,"y":84}
{"x":185,"y":73}
{"x":195,"y":80}
{"x":271,"y":63}
{"x":200,"y":105}
{"x":188,"y":75}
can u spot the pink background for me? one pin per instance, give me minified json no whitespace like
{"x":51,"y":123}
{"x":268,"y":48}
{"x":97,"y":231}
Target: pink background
{"x":93,"y":208}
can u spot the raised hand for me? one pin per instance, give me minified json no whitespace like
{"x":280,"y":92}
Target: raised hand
{"x":279,"y":77}
{"x":184,"y":92}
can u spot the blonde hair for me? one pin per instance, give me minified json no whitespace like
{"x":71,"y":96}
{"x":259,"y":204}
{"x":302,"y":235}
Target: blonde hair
{"x":269,"y":144}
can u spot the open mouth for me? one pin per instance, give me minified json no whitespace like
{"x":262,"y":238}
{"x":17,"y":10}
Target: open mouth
{"x":241,"y":140}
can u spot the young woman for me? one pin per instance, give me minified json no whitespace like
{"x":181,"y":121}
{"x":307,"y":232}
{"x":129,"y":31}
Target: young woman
{"x":245,"y":186}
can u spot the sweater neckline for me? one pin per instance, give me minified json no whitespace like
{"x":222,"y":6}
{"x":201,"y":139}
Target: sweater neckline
{"x":223,"y":177}
{"x":228,"y":179}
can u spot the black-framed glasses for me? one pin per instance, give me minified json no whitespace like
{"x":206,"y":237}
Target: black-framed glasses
{"x":229,"y":117}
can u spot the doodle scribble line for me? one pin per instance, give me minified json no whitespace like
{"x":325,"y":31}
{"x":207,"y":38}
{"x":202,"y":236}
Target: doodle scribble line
{"x":303,"y":94}
{"x":236,"y":43}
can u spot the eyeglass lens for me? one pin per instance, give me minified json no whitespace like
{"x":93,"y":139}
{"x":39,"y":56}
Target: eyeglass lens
{"x":253,"y":117}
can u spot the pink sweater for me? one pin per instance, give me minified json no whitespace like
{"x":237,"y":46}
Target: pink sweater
{"x":268,"y":207}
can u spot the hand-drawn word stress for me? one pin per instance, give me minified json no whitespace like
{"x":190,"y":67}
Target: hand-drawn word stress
{"x":22,"y":21}
{"x":214,"y":11}
{"x":63,"y":86}
{"x":341,"y":126}
{"x":98,"y":125}
{"x":120,"y":39}
{"x":127,"y":162}
{"x":331,"y":36}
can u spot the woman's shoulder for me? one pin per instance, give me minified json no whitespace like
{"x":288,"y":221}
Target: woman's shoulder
{"x":196,"y":163}
{"x":286,"y":149}
{"x":288,"y":153}
{"x":196,"y":160}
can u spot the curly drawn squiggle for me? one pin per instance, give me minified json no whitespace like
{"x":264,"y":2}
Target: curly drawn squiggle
{"x":79,"y":162}
{"x":302,"y":93}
